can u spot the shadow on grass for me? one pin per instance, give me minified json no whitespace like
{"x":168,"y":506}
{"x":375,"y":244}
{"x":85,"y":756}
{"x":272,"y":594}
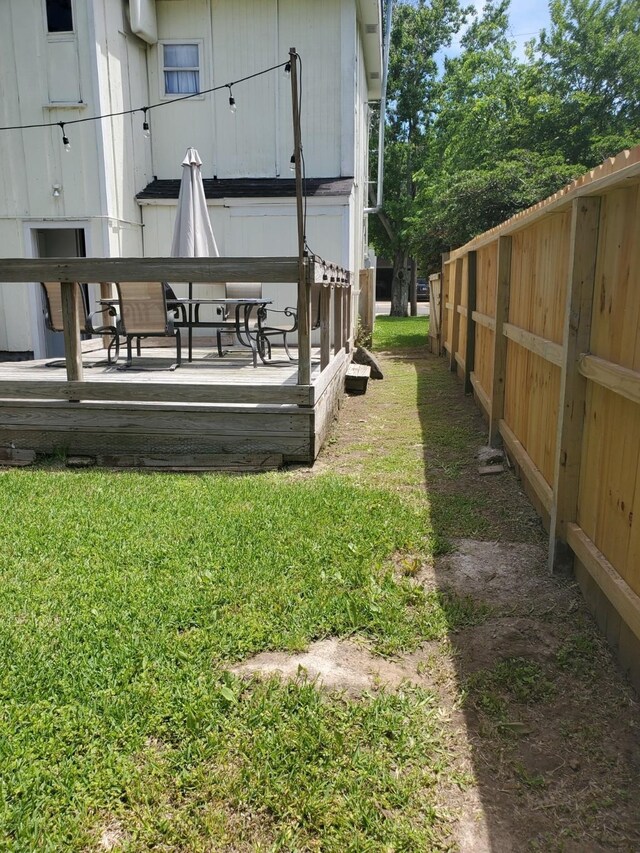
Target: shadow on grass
{"x":546,"y":711}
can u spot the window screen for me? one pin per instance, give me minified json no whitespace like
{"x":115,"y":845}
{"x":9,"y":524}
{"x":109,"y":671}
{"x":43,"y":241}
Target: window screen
{"x":181,"y":69}
{"x":59,"y":16}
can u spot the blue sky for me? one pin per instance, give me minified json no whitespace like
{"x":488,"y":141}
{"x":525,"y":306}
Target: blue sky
{"x":527,"y":18}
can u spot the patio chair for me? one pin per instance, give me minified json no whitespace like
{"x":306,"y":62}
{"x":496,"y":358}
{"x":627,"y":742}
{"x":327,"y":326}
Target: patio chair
{"x":229,"y":321}
{"x":268,"y":330}
{"x":52,"y":294}
{"x":144,"y":313}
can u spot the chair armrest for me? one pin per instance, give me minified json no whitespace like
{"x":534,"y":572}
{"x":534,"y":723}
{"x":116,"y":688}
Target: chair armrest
{"x":108,"y":309}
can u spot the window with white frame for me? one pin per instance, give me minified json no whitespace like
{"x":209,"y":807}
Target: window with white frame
{"x":181,"y":68}
{"x":59,"y":16}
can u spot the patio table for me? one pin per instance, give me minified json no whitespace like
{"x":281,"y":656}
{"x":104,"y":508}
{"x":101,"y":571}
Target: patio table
{"x":241,"y":325}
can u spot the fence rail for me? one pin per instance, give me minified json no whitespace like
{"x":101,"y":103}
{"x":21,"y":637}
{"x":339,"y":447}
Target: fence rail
{"x":541,"y":319}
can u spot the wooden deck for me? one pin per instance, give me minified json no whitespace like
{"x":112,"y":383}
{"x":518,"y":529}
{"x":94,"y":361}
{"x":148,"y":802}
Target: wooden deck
{"x":207,"y":414}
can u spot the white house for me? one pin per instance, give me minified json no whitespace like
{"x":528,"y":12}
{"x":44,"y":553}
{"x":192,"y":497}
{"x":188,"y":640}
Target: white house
{"x":114,"y":191}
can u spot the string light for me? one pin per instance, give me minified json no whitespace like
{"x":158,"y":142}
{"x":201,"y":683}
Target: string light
{"x":149,"y":107}
{"x":292,"y":163}
{"x":232,"y":100}
{"x":287,"y":69}
{"x":65,"y":138}
{"x":145,"y":124}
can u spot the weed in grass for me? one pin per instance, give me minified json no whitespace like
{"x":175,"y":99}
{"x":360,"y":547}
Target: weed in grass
{"x":511,"y":681}
{"x":579,"y":655}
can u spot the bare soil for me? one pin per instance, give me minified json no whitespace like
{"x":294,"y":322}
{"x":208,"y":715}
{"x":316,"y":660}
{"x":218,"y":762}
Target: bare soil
{"x":544,"y":729}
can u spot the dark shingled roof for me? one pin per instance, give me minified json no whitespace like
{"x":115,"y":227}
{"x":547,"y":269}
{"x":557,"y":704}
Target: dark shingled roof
{"x":251,"y":187}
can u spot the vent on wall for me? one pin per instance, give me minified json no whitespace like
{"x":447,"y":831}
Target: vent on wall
{"x":370,"y":29}
{"x":375,"y":75}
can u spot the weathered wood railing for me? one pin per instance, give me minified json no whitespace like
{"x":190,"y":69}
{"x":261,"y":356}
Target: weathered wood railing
{"x":541,"y":318}
{"x":335,"y":307}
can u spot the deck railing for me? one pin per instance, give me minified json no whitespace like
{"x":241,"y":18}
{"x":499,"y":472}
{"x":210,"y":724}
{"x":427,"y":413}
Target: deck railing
{"x":335,"y":302}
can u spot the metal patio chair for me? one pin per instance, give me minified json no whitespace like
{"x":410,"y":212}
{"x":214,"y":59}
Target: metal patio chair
{"x":268,"y":330}
{"x":52,"y":294}
{"x":144,"y":313}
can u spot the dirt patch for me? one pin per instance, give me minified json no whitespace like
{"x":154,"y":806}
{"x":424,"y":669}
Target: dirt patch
{"x":341,"y":665}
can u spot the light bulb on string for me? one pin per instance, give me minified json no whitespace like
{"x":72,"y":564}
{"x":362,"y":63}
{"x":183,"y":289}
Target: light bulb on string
{"x":287,"y":69}
{"x":232,"y":101}
{"x":292,"y":163}
{"x":145,"y":124}
{"x":65,"y":138}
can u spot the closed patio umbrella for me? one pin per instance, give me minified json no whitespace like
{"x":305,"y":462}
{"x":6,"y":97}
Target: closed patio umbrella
{"x":192,"y":232}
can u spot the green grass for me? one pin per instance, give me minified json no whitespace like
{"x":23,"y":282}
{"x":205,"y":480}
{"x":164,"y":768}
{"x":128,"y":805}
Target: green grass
{"x":126,"y":596}
{"x":398,"y":333}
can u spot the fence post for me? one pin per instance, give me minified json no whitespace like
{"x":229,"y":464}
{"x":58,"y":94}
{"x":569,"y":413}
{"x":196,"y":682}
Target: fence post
{"x":583,"y":251}
{"x":470,"y":354}
{"x":503,"y":273}
{"x":455,"y":316}
{"x":70,"y":293}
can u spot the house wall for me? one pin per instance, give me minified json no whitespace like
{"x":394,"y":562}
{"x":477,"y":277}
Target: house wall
{"x":100,"y":67}
{"x":238,"y":39}
{"x":104,"y":68}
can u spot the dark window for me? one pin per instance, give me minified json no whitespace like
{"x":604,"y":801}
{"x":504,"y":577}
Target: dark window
{"x":59,"y":16}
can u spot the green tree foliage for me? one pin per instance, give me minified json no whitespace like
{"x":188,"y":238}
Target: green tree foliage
{"x":496,"y":134}
{"x":420,"y":29}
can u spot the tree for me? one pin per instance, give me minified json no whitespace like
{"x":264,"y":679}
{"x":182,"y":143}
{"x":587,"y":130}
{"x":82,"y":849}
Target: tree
{"x":419,"y":31}
{"x":588,"y":63}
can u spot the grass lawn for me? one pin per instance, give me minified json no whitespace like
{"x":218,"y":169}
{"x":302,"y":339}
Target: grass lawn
{"x":126,"y":596}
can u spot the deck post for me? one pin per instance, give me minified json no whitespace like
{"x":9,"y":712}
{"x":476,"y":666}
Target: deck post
{"x":503,"y":284}
{"x":583,"y":252}
{"x":71,"y":330}
{"x":338,"y":327}
{"x":304,"y":287}
{"x":325,"y":327}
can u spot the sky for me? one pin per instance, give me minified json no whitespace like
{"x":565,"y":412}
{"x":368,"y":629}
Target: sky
{"x":527,"y":18}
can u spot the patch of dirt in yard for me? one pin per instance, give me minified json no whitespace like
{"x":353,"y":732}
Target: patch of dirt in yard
{"x":544,"y":726}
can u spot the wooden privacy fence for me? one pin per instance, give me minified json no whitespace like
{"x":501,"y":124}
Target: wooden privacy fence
{"x":541,"y":318}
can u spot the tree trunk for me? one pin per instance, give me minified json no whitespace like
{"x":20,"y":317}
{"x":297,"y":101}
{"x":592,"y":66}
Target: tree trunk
{"x":399,"y":285}
{"x":413,"y":288}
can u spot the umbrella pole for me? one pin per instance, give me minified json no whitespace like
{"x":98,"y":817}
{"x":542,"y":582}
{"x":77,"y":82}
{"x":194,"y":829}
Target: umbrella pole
{"x":190,"y":306}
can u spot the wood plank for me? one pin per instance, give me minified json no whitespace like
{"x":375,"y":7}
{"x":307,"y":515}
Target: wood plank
{"x":325,"y":327}
{"x":618,"y":592}
{"x":534,"y":476}
{"x":481,"y":394}
{"x":484,"y":320}
{"x":62,"y":416}
{"x":455,"y":321}
{"x":70,"y":293}
{"x":470,"y":349}
{"x":195,"y":461}
{"x":620,"y":380}
{"x":277,"y":269}
{"x":549,"y":350}
{"x":201,"y":392}
{"x":327,"y":376}
{"x":583,"y":250}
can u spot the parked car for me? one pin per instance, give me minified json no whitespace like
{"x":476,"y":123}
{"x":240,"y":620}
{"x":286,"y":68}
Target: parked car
{"x":423,"y":290}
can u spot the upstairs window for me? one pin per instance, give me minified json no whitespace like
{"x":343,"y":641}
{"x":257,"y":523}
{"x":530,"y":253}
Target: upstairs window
{"x":181,"y":67}
{"x":59,"y":16}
